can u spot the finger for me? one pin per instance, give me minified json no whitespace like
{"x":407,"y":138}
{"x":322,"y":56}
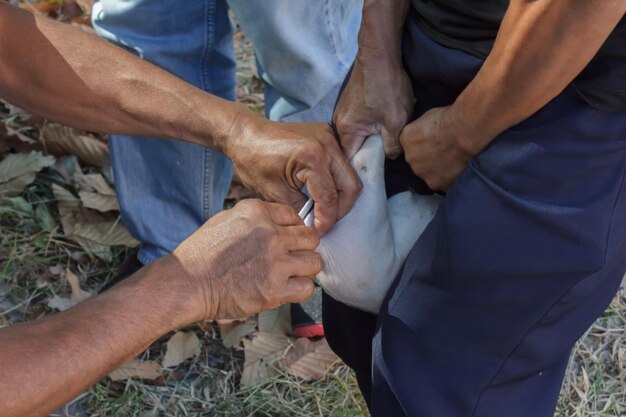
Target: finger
{"x":391,"y":143}
{"x":323,"y":191}
{"x":298,"y":289}
{"x":301,"y":238}
{"x":351,"y":143}
{"x":346,"y":180}
{"x":284,"y":215}
{"x":304,"y":264}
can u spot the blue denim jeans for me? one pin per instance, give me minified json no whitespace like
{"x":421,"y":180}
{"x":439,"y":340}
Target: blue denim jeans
{"x":167,"y":189}
{"x":304,"y":50}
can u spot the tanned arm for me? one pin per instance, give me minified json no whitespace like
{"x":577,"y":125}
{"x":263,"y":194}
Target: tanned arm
{"x":245,"y":260}
{"x":378,"y":98}
{"x":78,"y":79}
{"x":541,"y":47}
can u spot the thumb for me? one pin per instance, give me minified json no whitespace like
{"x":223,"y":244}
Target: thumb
{"x":351,"y":143}
{"x":391,"y":143}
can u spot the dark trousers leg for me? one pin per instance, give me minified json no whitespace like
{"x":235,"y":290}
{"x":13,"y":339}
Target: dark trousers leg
{"x":526,"y":250}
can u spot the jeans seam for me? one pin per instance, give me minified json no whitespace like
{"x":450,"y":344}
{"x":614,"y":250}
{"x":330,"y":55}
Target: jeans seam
{"x":207,"y":53}
{"x":331,"y":32}
{"x":209,"y":43}
{"x":207,"y":208}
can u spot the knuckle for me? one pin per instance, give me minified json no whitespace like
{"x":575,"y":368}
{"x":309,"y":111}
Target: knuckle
{"x":308,"y":290}
{"x":328,"y":196}
{"x":433,"y":183}
{"x":251,"y":205}
{"x":290,"y":211}
{"x":313,"y":152}
{"x":315,"y":237}
{"x":305,"y":293}
{"x":318,"y":262}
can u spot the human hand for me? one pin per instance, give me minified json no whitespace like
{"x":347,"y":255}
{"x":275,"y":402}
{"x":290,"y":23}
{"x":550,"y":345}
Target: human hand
{"x":251,"y":258}
{"x":378,"y":99}
{"x":277,"y":159}
{"x":434,"y":148}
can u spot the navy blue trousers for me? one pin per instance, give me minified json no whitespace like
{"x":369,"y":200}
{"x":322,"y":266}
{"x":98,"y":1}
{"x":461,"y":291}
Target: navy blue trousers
{"x":525,"y":252}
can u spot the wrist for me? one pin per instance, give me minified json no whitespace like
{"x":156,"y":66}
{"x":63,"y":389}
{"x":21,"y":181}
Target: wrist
{"x":473,"y":132}
{"x":214,"y":122}
{"x":243,"y":124}
{"x":164,"y":287}
{"x":382,"y":25}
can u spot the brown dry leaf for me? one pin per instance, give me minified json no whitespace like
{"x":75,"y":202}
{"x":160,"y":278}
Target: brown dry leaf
{"x":92,"y":183}
{"x":68,"y":206}
{"x":232,"y":331}
{"x":62,"y":140}
{"x":95,"y":193}
{"x":106,"y":233}
{"x":18,"y":170}
{"x":78,"y":294}
{"x":136,"y":369}
{"x":277,"y":320}
{"x":94,"y":233}
{"x":262,"y":354}
{"x":99,"y":201}
{"x":180,"y":347}
{"x":308,"y":359}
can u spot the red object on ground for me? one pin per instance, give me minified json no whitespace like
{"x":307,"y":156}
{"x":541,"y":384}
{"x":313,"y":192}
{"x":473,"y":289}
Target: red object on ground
{"x":310,"y":330}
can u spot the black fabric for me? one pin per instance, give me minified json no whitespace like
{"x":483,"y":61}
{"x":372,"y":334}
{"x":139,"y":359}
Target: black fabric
{"x":472,"y":25}
{"x":349,"y":333}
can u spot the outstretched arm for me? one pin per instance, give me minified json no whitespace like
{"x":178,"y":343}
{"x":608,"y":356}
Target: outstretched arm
{"x":76,"y":78}
{"x":251,"y":258}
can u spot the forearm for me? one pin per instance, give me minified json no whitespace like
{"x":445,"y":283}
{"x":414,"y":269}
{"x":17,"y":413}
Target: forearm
{"x":540,"y":48}
{"x":382,"y":25}
{"x":78,"y":79}
{"x":76,"y":348}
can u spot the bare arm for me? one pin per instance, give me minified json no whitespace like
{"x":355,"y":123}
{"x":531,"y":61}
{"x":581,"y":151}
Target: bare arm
{"x":251,"y":258}
{"x":378,"y":98}
{"x":76,"y":78}
{"x":540,"y":48}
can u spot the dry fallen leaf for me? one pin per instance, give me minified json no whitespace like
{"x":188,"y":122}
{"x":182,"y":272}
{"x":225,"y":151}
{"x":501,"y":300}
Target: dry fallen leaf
{"x":95,"y":236}
{"x":18,"y":170}
{"x":308,"y":359}
{"x":78,"y":294}
{"x":92,"y":183}
{"x":232,"y":331}
{"x":100,"y":202}
{"x":277,"y":320}
{"x":60,"y":303}
{"x":180,"y":347}
{"x":261,"y":355}
{"x":62,"y":140}
{"x":136,"y":369}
